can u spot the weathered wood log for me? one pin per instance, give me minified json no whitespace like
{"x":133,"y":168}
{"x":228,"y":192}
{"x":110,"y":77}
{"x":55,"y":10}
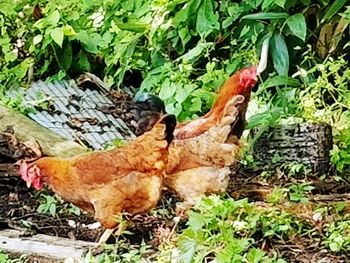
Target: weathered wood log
{"x":307,"y":143}
{"x":43,"y":245}
{"x":27,"y":130}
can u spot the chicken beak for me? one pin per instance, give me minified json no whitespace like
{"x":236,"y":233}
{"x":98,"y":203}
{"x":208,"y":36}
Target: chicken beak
{"x":29,"y":184}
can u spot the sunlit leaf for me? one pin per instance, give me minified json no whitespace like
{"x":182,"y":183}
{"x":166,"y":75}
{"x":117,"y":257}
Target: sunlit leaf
{"x":297,"y":25}
{"x":68,"y":30}
{"x":255,"y":255}
{"x":53,"y":18}
{"x":57,"y":35}
{"x":37,"y":39}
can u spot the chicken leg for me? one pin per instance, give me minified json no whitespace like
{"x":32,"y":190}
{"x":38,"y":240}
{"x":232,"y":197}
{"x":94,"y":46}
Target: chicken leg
{"x":117,"y":231}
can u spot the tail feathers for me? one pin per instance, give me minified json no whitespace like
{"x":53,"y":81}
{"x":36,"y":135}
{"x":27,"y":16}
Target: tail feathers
{"x":170,"y":124}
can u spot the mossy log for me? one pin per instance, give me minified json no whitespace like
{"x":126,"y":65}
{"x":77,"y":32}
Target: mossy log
{"x":25,"y":129}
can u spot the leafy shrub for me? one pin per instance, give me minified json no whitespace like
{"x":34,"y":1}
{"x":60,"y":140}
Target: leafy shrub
{"x":227,"y":231}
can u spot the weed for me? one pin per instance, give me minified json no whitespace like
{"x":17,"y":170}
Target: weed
{"x":298,"y":192}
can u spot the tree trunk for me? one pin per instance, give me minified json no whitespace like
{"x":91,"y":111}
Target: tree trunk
{"x":27,"y":130}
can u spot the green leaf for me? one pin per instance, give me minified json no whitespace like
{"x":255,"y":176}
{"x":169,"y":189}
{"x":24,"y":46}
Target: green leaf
{"x":333,"y":9}
{"x":281,"y":81}
{"x":65,"y":56}
{"x":297,"y":25}
{"x":10,"y":56}
{"x":167,"y":90}
{"x":53,"y":18}
{"x":266,"y":15}
{"x":182,"y":93}
{"x":53,"y":209}
{"x":193,"y":54}
{"x":280,"y":3}
{"x":133,"y":26}
{"x":57,"y":35}
{"x":89,"y":44}
{"x":267,"y":4}
{"x":37,"y":39}
{"x":187,"y":247}
{"x":335,"y":247}
{"x":255,"y":255}
{"x":83,"y":63}
{"x":280,"y":55}
{"x":68,"y":30}
{"x":207,"y":20}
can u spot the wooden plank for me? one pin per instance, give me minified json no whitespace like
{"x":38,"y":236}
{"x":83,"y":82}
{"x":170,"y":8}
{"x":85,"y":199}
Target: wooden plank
{"x":43,"y":245}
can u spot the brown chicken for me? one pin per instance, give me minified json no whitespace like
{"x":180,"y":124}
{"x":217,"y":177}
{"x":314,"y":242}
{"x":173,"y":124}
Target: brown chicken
{"x":107,"y":183}
{"x":200,"y":165}
{"x":203,"y":149}
{"x":240,"y":83}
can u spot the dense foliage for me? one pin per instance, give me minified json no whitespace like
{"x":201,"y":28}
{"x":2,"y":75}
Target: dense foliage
{"x":187,"y":48}
{"x":183,"y":51}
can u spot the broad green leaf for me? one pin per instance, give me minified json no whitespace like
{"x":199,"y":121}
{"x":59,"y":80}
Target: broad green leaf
{"x":280,"y":3}
{"x":187,"y":246}
{"x":297,"y":25}
{"x":281,"y":80}
{"x":11,"y":56}
{"x":68,"y":30}
{"x":57,"y":35}
{"x":254,"y":3}
{"x":280,"y":55}
{"x":244,"y":31}
{"x":266,"y":5}
{"x":182,"y":93}
{"x":53,"y":18}
{"x":185,"y":35}
{"x":207,"y":20}
{"x":195,"y":52}
{"x":167,"y":90}
{"x":333,"y":9}
{"x":255,"y":255}
{"x":266,"y":15}
{"x":89,"y":44}
{"x":37,"y":39}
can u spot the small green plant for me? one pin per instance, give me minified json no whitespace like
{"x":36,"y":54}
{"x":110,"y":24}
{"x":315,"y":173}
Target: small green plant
{"x":340,"y":154}
{"x":338,"y":236}
{"x":298,"y":192}
{"x":120,"y":252}
{"x":5,"y":258}
{"x":276,"y":196}
{"x":54,"y":206}
{"x":296,"y":170}
{"x":48,"y":205}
